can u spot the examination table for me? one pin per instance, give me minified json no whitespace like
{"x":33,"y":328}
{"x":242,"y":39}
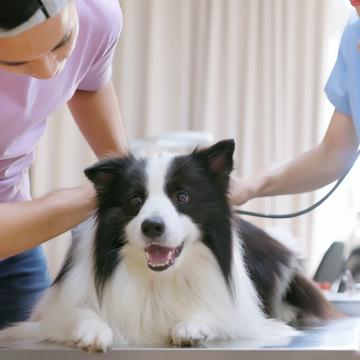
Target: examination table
{"x":335,"y":340}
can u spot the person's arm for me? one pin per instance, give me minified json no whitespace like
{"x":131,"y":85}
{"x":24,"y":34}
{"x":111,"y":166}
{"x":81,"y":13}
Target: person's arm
{"x":24,"y":225}
{"x":97,"y":115}
{"x":315,"y":168}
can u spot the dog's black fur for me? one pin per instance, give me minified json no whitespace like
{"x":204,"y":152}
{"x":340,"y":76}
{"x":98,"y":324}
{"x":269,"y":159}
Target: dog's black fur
{"x":205,"y":175}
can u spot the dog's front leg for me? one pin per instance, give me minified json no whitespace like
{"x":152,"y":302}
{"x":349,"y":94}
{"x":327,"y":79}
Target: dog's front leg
{"x":89,"y":332}
{"x":192,"y":331}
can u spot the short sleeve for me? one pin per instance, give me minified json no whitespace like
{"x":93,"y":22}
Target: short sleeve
{"x":337,"y":88}
{"x":100,"y":71}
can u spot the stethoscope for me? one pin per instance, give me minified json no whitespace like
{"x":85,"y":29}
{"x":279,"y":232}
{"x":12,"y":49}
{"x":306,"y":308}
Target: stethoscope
{"x":305,"y":211}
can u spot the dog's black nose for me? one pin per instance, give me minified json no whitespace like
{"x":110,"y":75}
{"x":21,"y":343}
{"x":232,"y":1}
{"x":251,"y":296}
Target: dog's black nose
{"x":153,"y":227}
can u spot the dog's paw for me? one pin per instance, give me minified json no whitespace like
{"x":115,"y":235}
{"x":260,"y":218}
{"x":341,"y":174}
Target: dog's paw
{"x":190,"y":333}
{"x":92,"y":335}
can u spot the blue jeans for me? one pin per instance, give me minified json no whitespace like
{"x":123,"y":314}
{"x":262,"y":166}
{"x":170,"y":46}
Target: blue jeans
{"x":23,"y":278}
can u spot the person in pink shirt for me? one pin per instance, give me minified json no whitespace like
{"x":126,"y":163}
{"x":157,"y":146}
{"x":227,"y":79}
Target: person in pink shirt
{"x":51,"y":52}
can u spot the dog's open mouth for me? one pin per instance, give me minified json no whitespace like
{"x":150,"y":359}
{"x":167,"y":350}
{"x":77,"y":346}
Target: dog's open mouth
{"x":161,"y":257}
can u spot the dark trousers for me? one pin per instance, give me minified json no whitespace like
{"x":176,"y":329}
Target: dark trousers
{"x":23,"y":278}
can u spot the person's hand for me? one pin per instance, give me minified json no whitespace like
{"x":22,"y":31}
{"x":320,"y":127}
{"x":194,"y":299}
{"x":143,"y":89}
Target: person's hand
{"x":80,"y":201}
{"x":86,"y":194}
{"x":241,"y":190}
{"x":87,"y":190}
{"x":30,"y":223}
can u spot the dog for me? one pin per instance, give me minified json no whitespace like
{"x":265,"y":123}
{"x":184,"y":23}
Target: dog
{"x":166,"y":260}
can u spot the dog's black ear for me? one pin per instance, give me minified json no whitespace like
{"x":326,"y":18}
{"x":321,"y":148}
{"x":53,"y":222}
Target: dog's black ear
{"x":102,"y":172}
{"x":219,"y":157}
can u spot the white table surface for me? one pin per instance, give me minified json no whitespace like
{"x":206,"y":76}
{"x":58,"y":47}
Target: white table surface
{"x":335,"y":340}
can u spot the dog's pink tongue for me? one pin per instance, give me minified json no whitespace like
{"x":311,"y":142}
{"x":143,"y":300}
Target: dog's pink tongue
{"x":158,"y":254}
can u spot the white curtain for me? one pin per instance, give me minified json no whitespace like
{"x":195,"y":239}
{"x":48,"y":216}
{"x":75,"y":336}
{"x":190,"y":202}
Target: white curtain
{"x":245,"y":69}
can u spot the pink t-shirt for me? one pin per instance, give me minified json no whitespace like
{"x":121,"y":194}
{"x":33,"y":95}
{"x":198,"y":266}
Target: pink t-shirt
{"x":26,"y":102}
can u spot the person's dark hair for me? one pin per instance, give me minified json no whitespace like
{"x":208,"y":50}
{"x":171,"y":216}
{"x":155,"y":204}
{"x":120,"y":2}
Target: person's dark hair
{"x":15,"y":12}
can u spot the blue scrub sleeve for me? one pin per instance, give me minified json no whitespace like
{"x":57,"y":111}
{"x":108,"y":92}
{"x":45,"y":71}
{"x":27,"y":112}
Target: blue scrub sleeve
{"x":336,"y":87}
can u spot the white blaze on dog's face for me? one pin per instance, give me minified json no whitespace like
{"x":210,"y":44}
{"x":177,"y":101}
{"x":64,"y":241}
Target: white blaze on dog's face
{"x":153,"y":211}
{"x":159,"y":229}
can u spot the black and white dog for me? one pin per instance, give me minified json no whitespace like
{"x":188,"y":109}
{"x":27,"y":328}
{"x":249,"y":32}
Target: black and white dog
{"x":166,"y":260}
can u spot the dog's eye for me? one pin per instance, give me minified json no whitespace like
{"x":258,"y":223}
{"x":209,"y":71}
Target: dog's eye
{"x":136,"y":201}
{"x":182,"y":197}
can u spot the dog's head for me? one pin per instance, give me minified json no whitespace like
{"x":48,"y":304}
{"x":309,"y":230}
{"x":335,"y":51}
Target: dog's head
{"x":161,"y":205}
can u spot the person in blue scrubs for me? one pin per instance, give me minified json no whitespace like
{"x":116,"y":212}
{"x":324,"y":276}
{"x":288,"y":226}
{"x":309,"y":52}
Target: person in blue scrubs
{"x":328,"y":160}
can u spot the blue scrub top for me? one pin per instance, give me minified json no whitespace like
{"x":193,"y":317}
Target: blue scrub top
{"x":343,"y":86}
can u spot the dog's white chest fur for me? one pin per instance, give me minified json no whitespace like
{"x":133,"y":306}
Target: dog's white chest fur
{"x":192,"y":301}
{"x":141,"y":304}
